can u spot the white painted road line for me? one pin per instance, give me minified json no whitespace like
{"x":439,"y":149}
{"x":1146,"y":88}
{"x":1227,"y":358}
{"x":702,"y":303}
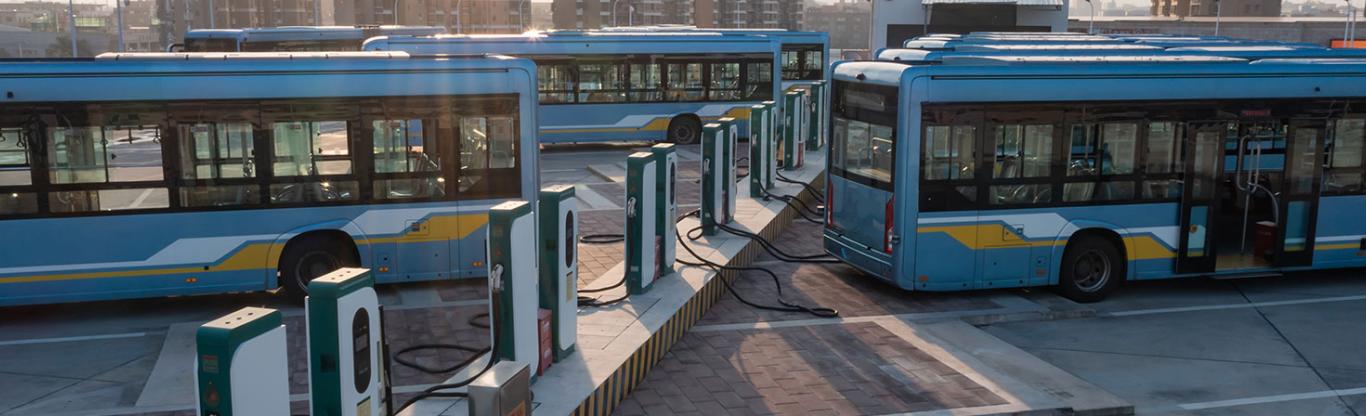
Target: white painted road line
{"x":1236,"y":306}
{"x":71,"y":339}
{"x":1273,"y":399}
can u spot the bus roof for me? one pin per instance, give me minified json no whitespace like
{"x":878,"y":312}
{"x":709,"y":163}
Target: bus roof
{"x":1057,"y":47}
{"x":268,"y":34}
{"x":576,"y":42}
{"x":120,"y":77}
{"x":891,"y":73}
{"x":969,"y":59}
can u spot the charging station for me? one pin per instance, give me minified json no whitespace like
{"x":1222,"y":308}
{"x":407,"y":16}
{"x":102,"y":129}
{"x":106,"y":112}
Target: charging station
{"x":760,"y":148}
{"x":345,"y":357}
{"x":666,"y":174}
{"x":816,"y":122}
{"x":713,"y":141}
{"x":794,"y":130}
{"x":513,"y":277}
{"x":559,"y":268}
{"x":728,"y":158}
{"x":240,"y":365}
{"x":642,"y":242}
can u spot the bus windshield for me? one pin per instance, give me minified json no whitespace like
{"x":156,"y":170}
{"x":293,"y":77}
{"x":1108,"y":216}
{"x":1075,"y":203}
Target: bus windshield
{"x":864,"y":134}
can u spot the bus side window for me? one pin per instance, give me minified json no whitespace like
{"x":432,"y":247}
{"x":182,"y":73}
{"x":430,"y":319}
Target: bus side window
{"x":214,"y":158}
{"x":106,"y":158}
{"x":16,"y":173}
{"x":1344,"y":171}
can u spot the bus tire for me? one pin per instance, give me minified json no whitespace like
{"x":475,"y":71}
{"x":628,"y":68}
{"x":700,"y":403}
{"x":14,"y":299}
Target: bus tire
{"x":1092,"y":268}
{"x":308,"y":257}
{"x":685,"y":130}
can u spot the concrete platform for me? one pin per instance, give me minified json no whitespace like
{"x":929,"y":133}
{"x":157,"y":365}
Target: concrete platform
{"x":618,"y":345}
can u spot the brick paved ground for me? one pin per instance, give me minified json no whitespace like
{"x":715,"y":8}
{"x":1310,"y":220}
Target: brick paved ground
{"x":847,"y":369}
{"x":857,"y":368}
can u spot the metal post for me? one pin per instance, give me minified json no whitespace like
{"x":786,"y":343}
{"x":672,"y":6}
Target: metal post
{"x":521,"y":15}
{"x":71,"y":14}
{"x":630,"y":14}
{"x":1347,"y":24}
{"x":1218,"y":12}
{"x":317,"y":12}
{"x":213,"y":24}
{"x":118,"y":6}
{"x":614,"y":13}
{"x":396,"y":23}
{"x":1091,"y":27}
{"x":458,"y":27}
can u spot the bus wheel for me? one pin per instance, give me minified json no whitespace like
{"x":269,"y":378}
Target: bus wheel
{"x":309,"y":258}
{"x":1092,"y":267}
{"x":684,"y":130}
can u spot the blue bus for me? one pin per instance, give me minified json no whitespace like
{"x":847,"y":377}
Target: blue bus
{"x":292,"y":38}
{"x":1088,"y":171}
{"x":925,"y":57}
{"x":805,"y":55}
{"x":249,"y":172}
{"x":973,"y":41}
{"x":598,"y":86}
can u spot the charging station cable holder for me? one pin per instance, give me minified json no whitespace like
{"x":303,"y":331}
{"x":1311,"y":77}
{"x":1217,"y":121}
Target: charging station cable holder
{"x":666,"y":195}
{"x":345,"y":365}
{"x":513,"y":281}
{"x":240,"y":365}
{"x":559,"y":288}
{"x":643,"y":243}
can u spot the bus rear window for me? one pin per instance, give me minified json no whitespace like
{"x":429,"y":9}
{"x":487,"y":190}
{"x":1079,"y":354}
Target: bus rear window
{"x":863,"y":144}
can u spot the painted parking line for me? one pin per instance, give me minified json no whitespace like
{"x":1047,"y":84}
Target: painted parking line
{"x":71,"y":339}
{"x":1236,"y":306}
{"x":1273,"y":399}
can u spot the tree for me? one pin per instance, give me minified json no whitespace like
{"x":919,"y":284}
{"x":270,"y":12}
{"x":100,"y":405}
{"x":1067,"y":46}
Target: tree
{"x":61,"y":47}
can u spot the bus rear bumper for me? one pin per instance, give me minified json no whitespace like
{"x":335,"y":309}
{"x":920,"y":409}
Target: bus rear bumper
{"x":861,"y":257}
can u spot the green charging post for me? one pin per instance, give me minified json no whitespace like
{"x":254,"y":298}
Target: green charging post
{"x":513,"y":277}
{"x":794,"y":127}
{"x":713,"y":139}
{"x":643,"y":245}
{"x":816,"y":121}
{"x":559,"y":267}
{"x":666,"y":195}
{"x":760,"y":148}
{"x":240,"y":365}
{"x":728,"y":157}
{"x":345,"y":357}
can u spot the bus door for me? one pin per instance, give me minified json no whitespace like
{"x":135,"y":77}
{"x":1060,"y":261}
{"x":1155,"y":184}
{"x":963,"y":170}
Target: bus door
{"x":1200,"y":196}
{"x":1298,"y":202}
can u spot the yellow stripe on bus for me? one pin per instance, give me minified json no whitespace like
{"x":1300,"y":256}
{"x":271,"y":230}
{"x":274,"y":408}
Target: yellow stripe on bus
{"x":259,"y":256}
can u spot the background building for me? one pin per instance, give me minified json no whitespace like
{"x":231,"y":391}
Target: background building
{"x":847,"y":22}
{"x":593,"y":14}
{"x":894,"y":21}
{"x":1228,"y":8}
{"x":1316,"y":30}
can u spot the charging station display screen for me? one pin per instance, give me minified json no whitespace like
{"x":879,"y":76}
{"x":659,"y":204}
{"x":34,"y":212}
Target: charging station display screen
{"x":360,"y":348}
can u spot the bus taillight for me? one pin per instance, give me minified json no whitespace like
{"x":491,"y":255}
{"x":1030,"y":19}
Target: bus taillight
{"x":887,"y":229}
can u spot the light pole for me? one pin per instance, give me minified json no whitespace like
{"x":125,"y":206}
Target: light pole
{"x":71,"y":15}
{"x":1347,"y":25}
{"x":614,"y":13}
{"x":118,"y":5}
{"x":1091,"y":27}
{"x":521,"y":15}
{"x":396,"y":13}
{"x":630,"y":14}
{"x":1218,"y":13}
{"x":458,"y":27}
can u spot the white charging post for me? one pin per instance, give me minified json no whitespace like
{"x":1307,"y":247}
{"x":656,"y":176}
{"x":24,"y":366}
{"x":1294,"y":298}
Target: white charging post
{"x":345,"y":365}
{"x":643,"y":245}
{"x":513,"y":281}
{"x":816,"y":121}
{"x":760,"y":149}
{"x":713,"y":210}
{"x":240,"y":365}
{"x":666,"y":164}
{"x":560,"y":265}
{"x":794,"y":129}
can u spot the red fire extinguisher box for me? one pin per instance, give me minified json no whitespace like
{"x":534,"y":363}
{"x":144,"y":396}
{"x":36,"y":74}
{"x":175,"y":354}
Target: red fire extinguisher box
{"x":547,"y":351}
